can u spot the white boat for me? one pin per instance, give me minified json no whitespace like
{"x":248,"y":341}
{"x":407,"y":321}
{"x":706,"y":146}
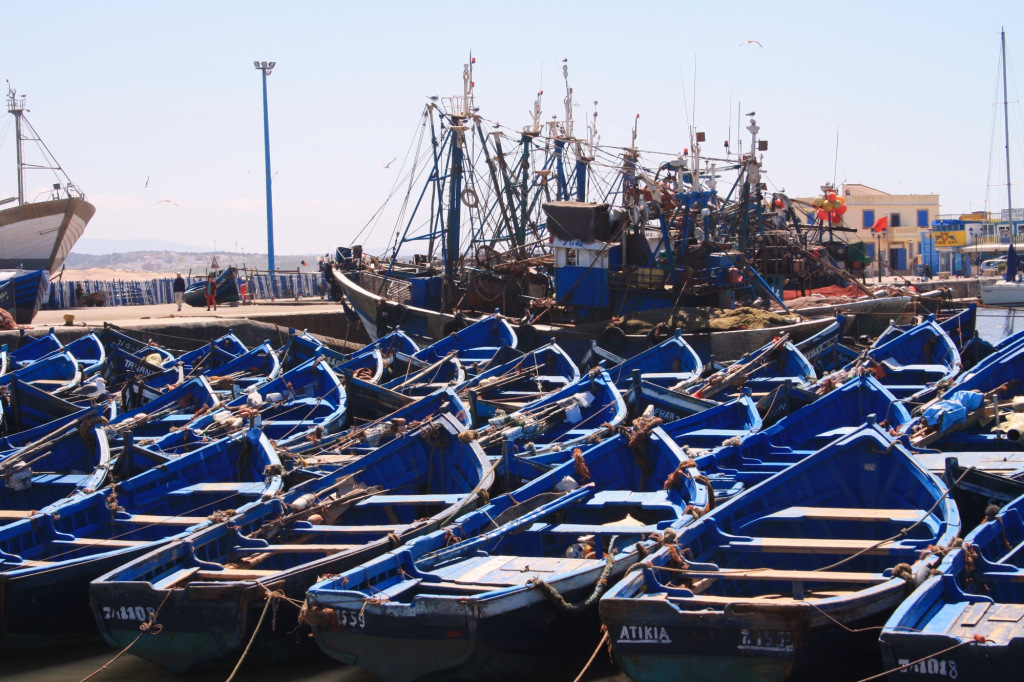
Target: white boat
{"x":38,"y":235}
{"x":1002,"y":292}
{"x":1009,"y":292}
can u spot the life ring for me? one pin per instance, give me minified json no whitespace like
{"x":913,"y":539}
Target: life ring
{"x":469,"y":197}
{"x":612,"y":339}
{"x":399,"y":313}
{"x":659,"y":333}
{"x":527,"y":335}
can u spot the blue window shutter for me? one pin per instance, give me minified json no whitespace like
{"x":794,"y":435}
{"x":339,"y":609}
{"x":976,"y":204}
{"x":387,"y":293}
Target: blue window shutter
{"x":869,"y":218}
{"x":922,"y":218}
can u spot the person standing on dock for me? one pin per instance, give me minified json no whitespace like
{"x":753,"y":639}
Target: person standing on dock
{"x":179,"y":289}
{"x":211,"y":293}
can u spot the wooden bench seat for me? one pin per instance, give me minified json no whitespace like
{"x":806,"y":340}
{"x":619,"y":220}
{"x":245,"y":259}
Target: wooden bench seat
{"x":149,"y":519}
{"x":103,"y":542}
{"x":763,"y":599}
{"x":819,"y":546}
{"x":233,"y":574}
{"x":299,"y":548}
{"x":790,"y":575}
{"x":849,"y":514}
{"x":15,"y":514}
{"x":440,"y":499}
{"x":223,"y":487}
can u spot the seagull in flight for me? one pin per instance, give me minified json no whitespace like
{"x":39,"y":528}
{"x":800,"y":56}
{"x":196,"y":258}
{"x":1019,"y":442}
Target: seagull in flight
{"x":166,"y":201}
{"x":147,"y":183}
{"x":747,"y":42}
{"x":388,"y":164}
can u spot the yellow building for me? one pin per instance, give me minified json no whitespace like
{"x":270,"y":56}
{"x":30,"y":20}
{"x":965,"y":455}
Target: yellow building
{"x":908,"y":216}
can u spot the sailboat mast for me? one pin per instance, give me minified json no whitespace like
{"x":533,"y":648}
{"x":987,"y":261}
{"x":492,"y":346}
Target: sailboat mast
{"x":1006,"y":128}
{"x":16,"y":107}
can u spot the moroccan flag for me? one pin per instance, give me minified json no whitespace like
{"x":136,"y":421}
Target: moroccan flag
{"x":880,"y":224}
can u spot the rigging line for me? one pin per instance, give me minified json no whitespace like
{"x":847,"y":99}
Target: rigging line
{"x":420,"y":125}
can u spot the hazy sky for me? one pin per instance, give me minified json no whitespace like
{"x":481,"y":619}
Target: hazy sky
{"x":122,"y":91}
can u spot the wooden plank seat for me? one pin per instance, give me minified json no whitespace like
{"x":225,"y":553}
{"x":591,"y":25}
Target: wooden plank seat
{"x":439,"y":499}
{"x":233,"y":574}
{"x":103,"y":542}
{"x":15,"y":514}
{"x":762,"y":599}
{"x":222,"y":487}
{"x":298,"y":548}
{"x":73,"y":480}
{"x":347,"y":530}
{"x":849,"y":514}
{"x":819,"y":546}
{"x":613,"y":528}
{"x":506,"y":571}
{"x":148,"y":519}
{"x":789,"y":575}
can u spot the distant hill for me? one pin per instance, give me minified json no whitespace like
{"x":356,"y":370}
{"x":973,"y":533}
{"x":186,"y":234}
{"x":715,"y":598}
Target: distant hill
{"x":177,"y":261}
{"x":96,"y":247}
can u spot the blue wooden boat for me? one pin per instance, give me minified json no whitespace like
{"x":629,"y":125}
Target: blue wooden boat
{"x":975,"y":491}
{"x":368,"y":362}
{"x":474,"y":345}
{"x":584,"y":411}
{"x":736,"y":467}
{"x":697,"y":435}
{"x":211,"y":588}
{"x":46,"y":464}
{"x":825,"y":350}
{"x":57,"y":372}
{"x":24,"y":406}
{"x":227,"y":289}
{"x":789,"y":580}
{"x":959,"y":409}
{"x":124,"y":366}
{"x":226,"y":373}
{"x":965,"y":622}
{"x":32,"y":349}
{"x":423,"y":378}
{"x":521,"y":380}
{"x":48,"y":560}
{"x":467,"y":602}
{"x":309,"y":399}
{"x":917,"y":360}
{"x":173,"y":410}
{"x":223,"y":347}
{"x":90,"y":354}
{"x":23,"y":291}
{"x":370,"y":429}
{"x":667,"y":363}
{"x":112,"y":338}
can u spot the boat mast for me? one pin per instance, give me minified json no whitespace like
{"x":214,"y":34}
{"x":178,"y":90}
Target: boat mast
{"x":452,"y":232}
{"x":1006,"y":133}
{"x":17,"y":108}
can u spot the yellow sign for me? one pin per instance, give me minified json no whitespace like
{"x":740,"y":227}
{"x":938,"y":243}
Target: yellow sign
{"x":958,"y":238}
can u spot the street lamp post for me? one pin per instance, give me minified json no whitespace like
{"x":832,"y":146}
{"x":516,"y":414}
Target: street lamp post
{"x":266,"y":68}
{"x":878,"y":254}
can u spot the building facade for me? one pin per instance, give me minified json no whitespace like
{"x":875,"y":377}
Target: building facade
{"x":908,"y":216}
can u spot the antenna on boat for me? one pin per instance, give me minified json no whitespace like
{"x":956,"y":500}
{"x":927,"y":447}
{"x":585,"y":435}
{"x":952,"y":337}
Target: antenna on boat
{"x":568,"y":127}
{"x":16,"y":107}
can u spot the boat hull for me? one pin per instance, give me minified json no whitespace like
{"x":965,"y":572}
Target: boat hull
{"x":40,"y":235}
{"x":800,"y":645}
{"x":1003,"y":293}
{"x":432,"y":325}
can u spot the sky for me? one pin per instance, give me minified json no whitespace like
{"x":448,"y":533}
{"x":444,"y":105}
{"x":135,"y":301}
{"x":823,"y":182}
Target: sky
{"x":125,"y":92}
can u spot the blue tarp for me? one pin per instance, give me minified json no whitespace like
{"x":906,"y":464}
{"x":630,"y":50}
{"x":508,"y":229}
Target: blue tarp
{"x":953,"y":409}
